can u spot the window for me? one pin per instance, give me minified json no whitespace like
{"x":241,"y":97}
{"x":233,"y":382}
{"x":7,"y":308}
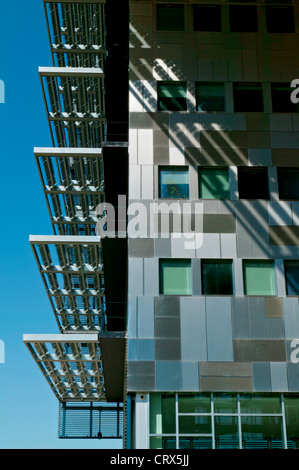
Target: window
{"x":217,"y":277}
{"x":291,"y":269}
{"x":207,"y":18}
{"x":288,"y":183}
{"x":243,"y":18}
{"x":280,"y":19}
{"x":175,"y":277}
{"x":172,"y":96}
{"x":259,"y":277}
{"x":213,"y":183}
{"x":253,"y":183}
{"x":210,"y":97}
{"x":173,"y":183}
{"x":170,"y":17}
{"x":248,"y":97}
{"x":281,"y":98}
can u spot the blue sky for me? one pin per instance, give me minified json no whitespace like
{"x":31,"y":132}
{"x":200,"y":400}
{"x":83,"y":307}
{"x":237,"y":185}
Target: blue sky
{"x":28,"y":407}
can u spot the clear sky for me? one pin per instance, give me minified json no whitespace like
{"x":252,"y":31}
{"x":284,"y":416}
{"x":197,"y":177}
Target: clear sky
{"x":28,"y":407}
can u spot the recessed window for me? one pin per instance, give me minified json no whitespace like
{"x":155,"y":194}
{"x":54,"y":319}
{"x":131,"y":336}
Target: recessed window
{"x":248,"y":97}
{"x":175,"y":277}
{"x":170,"y":17}
{"x":288,"y":183}
{"x":281,"y":98}
{"x":291,"y":269}
{"x":253,"y":183}
{"x":173,"y":182}
{"x":259,"y":277}
{"x":210,"y":96}
{"x":280,"y":19}
{"x":207,"y":18}
{"x":213,"y":183}
{"x":217,"y":277}
{"x":243,"y":18}
{"x":172,"y":96}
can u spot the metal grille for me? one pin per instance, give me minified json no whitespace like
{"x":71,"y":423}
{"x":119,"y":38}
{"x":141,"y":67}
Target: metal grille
{"x":90,"y":420}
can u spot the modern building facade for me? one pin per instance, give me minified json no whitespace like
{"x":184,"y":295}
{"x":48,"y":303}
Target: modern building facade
{"x":180,"y":113}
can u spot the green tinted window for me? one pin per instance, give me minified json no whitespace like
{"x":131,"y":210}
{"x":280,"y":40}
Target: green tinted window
{"x":210,"y":97}
{"x":172,"y":96}
{"x":259,"y":278}
{"x":175,"y":277}
{"x":213,"y":183}
{"x":174,"y":183}
{"x":170,"y":17}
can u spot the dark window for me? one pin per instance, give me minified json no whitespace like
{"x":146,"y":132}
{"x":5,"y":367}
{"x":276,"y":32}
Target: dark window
{"x":210,"y":96}
{"x":253,"y":183}
{"x":281,"y":98}
{"x":288,"y":183}
{"x":173,"y":182}
{"x":217,"y":277}
{"x":170,"y":17}
{"x":207,"y":18}
{"x":243,"y":18}
{"x":172,"y":96}
{"x":280,"y":19}
{"x":291,"y":269}
{"x":248,"y":97}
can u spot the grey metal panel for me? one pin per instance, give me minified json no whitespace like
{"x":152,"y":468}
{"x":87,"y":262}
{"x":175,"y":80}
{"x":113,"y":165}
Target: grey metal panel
{"x":219,"y":223}
{"x":219,"y":329}
{"x":275,"y":328}
{"x":151,"y":277}
{"x":145,"y":322}
{"x":260,"y":229}
{"x":135,"y":276}
{"x":259,"y":350}
{"x":257,"y":317}
{"x":259,"y":157}
{"x":141,"y":247}
{"x":141,"y":367}
{"x":146,"y":350}
{"x":193,"y":329}
{"x":228,"y":245}
{"x":167,"y":349}
{"x":279,"y":376}
{"x":141,"y":383}
{"x":280,"y":213}
{"x":284,"y":251}
{"x":162,"y":247}
{"x":261,"y":377}
{"x":225,"y":369}
{"x":167,"y":305}
{"x":141,"y":120}
{"x":226,"y":384}
{"x":132,"y":349}
{"x":244,"y":229}
{"x":240,"y":317}
{"x":291,"y":317}
{"x":196,"y":276}
{"x":169,"y":376}
{"x":167,"y":327}
{"x":293,"y":377}
{"x":132,"y":317}
{"x":190,"y":376}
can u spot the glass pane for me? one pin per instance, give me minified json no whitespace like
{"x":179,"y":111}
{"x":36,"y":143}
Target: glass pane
{"x":280,"y":19}
{"x":260,"y":403}
{"x":195,"y":443}
{"x":243,"y":18}
{"x":191,"y":403}
{"x":248,"y":97}
{"x":253,"y":183}
{"x":225,"y":403}
{"x":175,"y":277}
{"x":259,"y":278}
{"x":262,"y":432}
{"x":156,"y":443}
{"x":292,"y":277}
{"x":172,"y":90}
{"x":210,"y":97}
{"x":174,"y":183}
{"x":213,"y":183}
{"x":217,"y":277}
{"x":207,"y":18}
{"x":195,"y":424}
{"x":170,"y":17}
{"x":288,"y":183}
{"x":168,"y":414}
{"x":291,"y":403}
{"x":155,"y":413}
{"x":226,"y":432}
